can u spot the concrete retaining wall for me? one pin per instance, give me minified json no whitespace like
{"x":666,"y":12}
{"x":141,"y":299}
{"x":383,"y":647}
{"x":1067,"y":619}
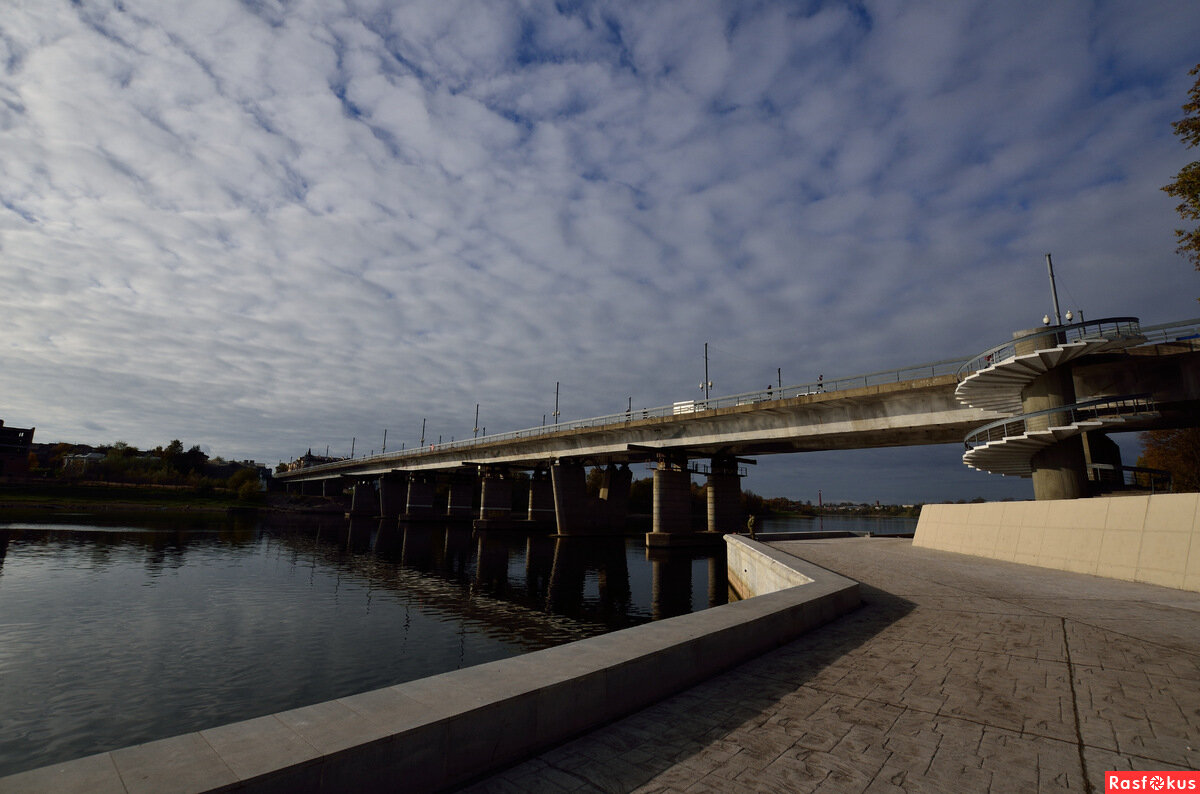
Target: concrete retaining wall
{"x":755,"y":569}
{"x":444,"y":730}
{"x":1153,"y":539}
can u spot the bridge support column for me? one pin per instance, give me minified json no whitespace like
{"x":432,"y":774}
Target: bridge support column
{"x":541,"y":499}
{"x":393,"y":492}
{"x":672,"y":501}
{"x":419,"y":504}
{"x":1059,"y":470}
{"x":1103,"y":457}
{"x":614,"y":496}
{"x":724,"y":489}
{"x":495,"y":501}
{"x":462,"y":489}
{"x":570,"y":497}
{"x":364,"y":502}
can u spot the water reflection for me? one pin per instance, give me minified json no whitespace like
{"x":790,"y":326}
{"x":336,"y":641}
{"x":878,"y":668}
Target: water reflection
{"x":194,"y":622}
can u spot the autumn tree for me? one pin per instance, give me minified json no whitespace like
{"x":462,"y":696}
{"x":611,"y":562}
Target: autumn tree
{"x":1186,"y":186}
{"x":1176,"y":451}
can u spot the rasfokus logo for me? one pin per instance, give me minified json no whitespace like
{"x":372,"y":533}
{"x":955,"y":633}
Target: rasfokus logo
{"x":1151,"y":780}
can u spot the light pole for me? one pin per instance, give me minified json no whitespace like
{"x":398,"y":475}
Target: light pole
{"x":555,"y":402}
{"x":706,"y":384}
{"x":476,"y":420}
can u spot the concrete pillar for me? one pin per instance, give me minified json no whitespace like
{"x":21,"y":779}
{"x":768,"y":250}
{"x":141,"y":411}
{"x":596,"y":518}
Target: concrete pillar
{"x":462,"y":490}
{"x":672,"y":496}
{"x":1101,"y":451}
{"x":541,"y":499}
{"x":364,"y":502}
{"x":420,"y":497}
{"x":1060,"y":470}
{"x":393,"y":493}
{"x":495,"y":501}
{"x":570,"y":497}
{"x":614,"y":496}
{"x":724,"y":496}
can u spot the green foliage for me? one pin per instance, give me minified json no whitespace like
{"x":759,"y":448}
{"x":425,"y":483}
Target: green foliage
{"x":249,"y":491}
{"x":242,"y":477}
{"x":1186,"y":186}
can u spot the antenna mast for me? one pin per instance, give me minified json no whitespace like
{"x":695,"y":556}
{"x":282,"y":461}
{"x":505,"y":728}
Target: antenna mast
{"x":1053,"y":291}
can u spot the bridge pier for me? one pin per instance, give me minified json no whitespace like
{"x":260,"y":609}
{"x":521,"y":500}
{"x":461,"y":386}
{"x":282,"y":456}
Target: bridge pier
{"x":541,"y":499}
{"x":672,"y":519}
{"x":724,"y":489}
{"x":614,"y":497}
{"x":364,"y":502}
{"x":393,"y":491}
{"x":461,"y":498}
{"x":570,"y":497}
{"x":495,"y":500}
{"x":419,"y":504}
{"x":1103,"y":457}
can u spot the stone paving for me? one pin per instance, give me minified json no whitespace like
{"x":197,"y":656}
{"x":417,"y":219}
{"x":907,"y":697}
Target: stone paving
{"x":958,"y":674}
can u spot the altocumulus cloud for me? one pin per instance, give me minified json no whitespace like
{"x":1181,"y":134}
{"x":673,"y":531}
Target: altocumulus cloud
{"x":264,"y":226}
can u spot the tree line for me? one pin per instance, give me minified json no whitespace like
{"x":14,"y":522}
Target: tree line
{"x":166,"y":466}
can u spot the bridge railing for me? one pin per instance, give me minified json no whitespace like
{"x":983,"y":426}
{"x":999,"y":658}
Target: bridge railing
{"x":1124,"y":405}
{"x":1111,"y":328}
{"x":1179,"y":331}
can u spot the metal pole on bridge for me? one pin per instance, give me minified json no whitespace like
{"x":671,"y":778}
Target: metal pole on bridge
{"x":1053,"y":291}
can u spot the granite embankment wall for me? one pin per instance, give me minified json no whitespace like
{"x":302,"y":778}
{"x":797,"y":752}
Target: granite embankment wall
{"x":440,"y":731}
{"x":1144,"y":538}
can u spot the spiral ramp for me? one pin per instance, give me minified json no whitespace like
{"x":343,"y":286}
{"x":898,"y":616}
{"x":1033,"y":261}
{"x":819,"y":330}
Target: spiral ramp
{"x":997,"y":386}
{"x":996,"y":379}
{"x":1012,"y":455}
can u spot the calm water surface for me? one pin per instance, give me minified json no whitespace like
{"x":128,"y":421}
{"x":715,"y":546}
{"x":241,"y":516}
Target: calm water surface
{"x":117,"y":631}
{"x":876,"y":525}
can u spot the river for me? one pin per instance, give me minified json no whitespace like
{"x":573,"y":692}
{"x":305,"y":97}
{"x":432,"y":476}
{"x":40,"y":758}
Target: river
{"x":118,"y":630}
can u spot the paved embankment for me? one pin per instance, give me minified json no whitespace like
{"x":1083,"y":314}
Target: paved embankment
{"x":958,"y":674}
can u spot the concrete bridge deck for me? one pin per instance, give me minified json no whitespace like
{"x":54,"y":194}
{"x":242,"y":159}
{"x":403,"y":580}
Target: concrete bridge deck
{"x":957,"y":674}
{"x":918,"y":411}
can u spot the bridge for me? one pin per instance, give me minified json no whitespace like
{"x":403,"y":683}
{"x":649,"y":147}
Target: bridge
{"x":1040,"y":406}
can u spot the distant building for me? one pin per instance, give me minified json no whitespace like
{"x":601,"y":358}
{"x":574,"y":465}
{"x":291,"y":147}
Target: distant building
{"x":309,"y":459}
{"x":82,"y":461}
{"x":15,"y":443}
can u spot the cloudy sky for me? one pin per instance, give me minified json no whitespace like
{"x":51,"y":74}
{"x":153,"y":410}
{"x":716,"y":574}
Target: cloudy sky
{"x":269,"y":225}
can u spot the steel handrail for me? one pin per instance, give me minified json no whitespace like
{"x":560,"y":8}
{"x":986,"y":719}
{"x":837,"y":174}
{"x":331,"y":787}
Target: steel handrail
{"x":1091,"y":409}
{"x":1178,"y":331}
{"x":1121,"y":328}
